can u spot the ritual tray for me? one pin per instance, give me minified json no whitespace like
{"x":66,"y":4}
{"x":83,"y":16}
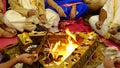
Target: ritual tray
{"x":33,"y":41}
{"x":79,"y":57}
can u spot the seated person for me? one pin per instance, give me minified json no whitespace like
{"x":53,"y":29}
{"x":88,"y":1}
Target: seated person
{"x":68,"y":9}
{"x":24,"y":58}
{"x":107,"y":23}
{"x":4,"y":30}
{"x":25,"y":14}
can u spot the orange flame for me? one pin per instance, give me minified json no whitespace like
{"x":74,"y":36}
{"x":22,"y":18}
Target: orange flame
{"x":64,"y":50}
{"x":70,"y":34}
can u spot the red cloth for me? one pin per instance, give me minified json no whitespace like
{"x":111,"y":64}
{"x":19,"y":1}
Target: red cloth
{"x":109,"y":42}
{"x":7,"y":41}
{"x":4,"y":3}
{"x":74,"y":26}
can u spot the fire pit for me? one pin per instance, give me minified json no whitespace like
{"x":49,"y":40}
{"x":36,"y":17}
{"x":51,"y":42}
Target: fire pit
{"x":68,"y":50}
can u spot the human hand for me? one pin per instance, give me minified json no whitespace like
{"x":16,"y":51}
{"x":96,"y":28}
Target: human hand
{"x":28,"y":58}
{"x":61,"y":11}
{"x":42,"y":18}
{"x":9,"y":32}
{"x":1,"y":7}
{"x":113,"y":30}
{"x":32,"y":12}
{"x":98,"y":25}
{"x":73,"y":12}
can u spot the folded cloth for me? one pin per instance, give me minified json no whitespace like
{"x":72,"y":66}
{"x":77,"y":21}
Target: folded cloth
{"x":4,"y":42}
{"x":74,"y":26}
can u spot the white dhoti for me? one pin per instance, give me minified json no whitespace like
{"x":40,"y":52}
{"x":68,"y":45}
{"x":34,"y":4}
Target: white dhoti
{"x":111,"y":7}
{"x":16,"y":20}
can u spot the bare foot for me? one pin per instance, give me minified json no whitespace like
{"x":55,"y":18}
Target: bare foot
{"x":9,"y":32}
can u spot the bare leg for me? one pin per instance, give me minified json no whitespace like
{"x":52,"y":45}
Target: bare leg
{"x":7,"y":32}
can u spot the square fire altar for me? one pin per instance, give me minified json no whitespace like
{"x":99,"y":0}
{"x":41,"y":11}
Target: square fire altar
{"x":66,"y":51}
{"x":61,"y":50}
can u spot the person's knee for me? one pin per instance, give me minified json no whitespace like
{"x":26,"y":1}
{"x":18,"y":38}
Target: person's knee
{"x":93,"y":20}
{"x":52,"y":17}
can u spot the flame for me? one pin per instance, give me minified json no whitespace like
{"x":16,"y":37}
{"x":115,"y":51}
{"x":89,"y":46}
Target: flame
{"x":64,"y":50}
{"x":70,"y":34}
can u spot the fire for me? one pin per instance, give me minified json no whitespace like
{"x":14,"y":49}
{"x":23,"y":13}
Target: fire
{"x":70,"y":34}
{"x":61,"y":51}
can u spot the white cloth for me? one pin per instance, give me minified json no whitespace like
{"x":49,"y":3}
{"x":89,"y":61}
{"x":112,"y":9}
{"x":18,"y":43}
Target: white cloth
{"x":112,"y":7}
{"x":16,"y":20}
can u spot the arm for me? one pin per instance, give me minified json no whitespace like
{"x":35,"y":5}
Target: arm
{"x":53,"y":4}
{"x":73,"y":12}
{"x":102,"y":17}
{"x":57,"y":7}
{"x":9,"y":64}
{"x":15,"y":6}
{"x":24,"y":58}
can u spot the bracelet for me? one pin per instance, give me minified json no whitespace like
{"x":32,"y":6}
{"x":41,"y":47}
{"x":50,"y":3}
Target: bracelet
{"x":18,"y":58}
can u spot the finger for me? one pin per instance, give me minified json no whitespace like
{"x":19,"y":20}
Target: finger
{"x":34,"y":57}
